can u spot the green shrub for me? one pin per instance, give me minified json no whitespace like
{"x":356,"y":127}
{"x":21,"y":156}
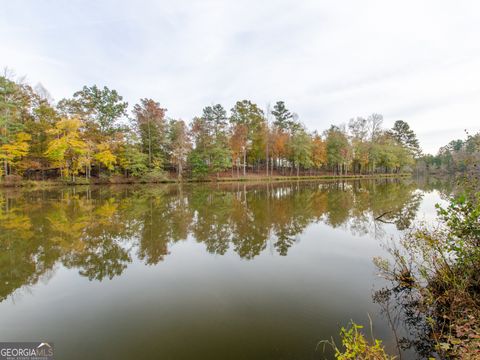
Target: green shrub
{"x":462,"y":221}
{"x":356,"y":346}
{"x":199,"y":167}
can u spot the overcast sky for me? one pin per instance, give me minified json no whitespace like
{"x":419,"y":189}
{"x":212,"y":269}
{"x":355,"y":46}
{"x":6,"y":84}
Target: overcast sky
{"x":418,"y":61}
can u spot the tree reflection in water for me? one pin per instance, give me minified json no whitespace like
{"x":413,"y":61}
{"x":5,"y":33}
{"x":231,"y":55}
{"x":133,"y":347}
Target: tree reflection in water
{"x":99,"y":231}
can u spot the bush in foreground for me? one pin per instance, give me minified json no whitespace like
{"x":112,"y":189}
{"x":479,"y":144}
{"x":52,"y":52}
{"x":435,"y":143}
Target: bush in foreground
{"x":436,"y":279}
{"x":356,"y":346}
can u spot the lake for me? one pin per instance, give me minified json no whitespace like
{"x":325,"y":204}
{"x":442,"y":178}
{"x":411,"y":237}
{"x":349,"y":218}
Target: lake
{"x":227,"y":271}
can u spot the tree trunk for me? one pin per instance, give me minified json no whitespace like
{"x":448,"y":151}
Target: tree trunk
{"x":149,"y":146}
{"x":244,"y":163}
{"x":266,"y":159}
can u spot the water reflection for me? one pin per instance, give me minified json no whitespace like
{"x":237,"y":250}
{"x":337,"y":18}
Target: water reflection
{"x":99,"y":231}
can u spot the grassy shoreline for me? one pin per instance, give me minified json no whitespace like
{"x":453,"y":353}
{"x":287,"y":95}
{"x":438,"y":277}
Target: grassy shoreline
{"x":136,"y":181}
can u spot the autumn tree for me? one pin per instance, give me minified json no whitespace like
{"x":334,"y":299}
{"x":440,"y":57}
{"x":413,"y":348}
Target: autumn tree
{"x":238,"y":146}
{"x":44,"y":116}
{"x":361,"y":143}
{"x":202,"y":136}
{"x":180,"y":145}
{"x":249,"y":115}
{"x":67,"y":146}
{"x":460,"y":155}
{"x":279,"y":146}
{"x":319,"y":151}
{"x":86,"y":132}
{"x":285,"y":126}
{"x":149,"y":120}
{"x":104,"y":156}
{"x":14,"y":151}
{"x":14,"y":106}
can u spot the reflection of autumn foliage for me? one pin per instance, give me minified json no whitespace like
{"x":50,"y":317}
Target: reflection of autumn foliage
{"x":99,"y":231}
{"x":21,"y":257}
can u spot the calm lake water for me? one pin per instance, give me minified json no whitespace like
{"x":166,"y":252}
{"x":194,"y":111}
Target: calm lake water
{"x":234,"y":271}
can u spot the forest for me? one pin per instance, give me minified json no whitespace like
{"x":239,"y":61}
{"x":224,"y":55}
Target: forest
{"x":458,"y":156}
{"x":94,"y":134}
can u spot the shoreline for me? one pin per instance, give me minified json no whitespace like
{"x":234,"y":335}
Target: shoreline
{"x":134,"y":181}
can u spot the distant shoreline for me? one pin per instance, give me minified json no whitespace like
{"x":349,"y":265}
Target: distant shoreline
{"x":136,"y":181}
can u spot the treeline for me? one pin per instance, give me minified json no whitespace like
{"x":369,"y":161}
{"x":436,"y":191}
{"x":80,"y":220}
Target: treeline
{"x":458,"y":156}
{"x":93,"y":134}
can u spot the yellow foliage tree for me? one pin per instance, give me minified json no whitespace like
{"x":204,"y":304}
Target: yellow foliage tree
{"x":105,"y":156}
{"x":67,"y":148}
{"x":319,"y":151}
{"x":16,"y":150}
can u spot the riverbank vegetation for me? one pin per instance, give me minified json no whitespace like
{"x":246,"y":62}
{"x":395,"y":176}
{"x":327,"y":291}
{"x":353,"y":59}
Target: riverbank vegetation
{"x":435,"y":276}
{"x":457,"y":157}
{"x":94,"y":135}
{"x":17,"y":181}
{"x":356,"y":345}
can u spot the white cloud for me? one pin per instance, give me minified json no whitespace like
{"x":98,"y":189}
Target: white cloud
{"x":329,"y":60}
